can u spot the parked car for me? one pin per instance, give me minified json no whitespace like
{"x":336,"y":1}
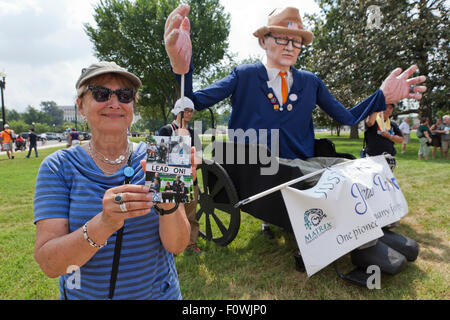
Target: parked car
{"x":24,"y":135}
{"x":53,"y":136}
{"x":84,"y":135}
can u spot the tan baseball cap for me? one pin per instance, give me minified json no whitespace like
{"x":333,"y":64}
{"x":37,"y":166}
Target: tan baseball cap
{"x":103,"y":67}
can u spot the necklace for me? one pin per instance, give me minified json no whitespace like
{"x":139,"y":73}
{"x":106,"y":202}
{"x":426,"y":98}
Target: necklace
{"x":104,"y":159}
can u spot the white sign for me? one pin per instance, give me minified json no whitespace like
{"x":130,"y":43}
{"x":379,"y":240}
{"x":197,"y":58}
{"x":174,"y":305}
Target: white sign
{"x":161,"y":168}
{"x":344,"y":210}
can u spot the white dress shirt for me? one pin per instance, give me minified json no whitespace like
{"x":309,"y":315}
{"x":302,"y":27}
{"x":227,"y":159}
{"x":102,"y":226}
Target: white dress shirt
{"x":275,"y":82}
{"x":404,"y":127}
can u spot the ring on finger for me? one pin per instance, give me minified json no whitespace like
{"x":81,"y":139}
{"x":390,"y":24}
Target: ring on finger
{"x":123,"y":207}
{"x":118,"y":198}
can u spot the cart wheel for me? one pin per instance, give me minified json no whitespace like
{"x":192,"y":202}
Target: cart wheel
{"x":219,"y":219}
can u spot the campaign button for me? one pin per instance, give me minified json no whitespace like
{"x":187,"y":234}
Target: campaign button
{"x":289,"y":107}
{"x":293,"y":97}
{"x":270,"y":95}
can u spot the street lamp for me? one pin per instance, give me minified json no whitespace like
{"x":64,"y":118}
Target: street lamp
{"x":76,"y":117}
{"x":2,"y":87}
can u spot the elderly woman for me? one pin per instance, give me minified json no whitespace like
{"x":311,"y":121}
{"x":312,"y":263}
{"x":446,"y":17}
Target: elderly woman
{"x":93,"y":212}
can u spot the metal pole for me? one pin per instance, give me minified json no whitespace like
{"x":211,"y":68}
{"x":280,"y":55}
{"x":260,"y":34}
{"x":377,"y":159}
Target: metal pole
{"x":287,"y":184}
{"x":76,"y":128}
{"x":2,"y":86}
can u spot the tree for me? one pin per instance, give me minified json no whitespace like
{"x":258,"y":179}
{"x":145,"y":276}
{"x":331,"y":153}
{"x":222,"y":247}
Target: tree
{"x":55,"y":114}
{"x":33,"y":116}
{"x":18,"y":126}
{"x":13,"y":115}
{"x":353,"y":59}
{"x":131,"y":34}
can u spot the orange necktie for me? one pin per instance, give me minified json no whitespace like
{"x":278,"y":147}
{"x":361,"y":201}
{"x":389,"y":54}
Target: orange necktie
{"x":284,"y":88}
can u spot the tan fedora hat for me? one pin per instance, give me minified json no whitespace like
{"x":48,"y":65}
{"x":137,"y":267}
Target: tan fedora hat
{"x":285,"y":21}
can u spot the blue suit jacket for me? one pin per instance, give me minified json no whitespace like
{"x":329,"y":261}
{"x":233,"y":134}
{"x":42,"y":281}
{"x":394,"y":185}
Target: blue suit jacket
{"x":253,"y":106}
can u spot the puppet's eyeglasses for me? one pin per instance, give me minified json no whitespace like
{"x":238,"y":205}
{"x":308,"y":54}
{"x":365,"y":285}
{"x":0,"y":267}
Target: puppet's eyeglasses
{"x":285,"y":41}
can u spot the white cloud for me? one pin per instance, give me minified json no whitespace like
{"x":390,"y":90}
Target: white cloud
{"x":42,"y":49}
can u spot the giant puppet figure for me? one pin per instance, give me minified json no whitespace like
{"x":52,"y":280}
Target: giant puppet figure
{"x":275,"y":95}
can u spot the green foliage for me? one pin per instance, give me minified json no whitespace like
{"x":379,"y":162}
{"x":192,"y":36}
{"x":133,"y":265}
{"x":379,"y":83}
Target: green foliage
{"x":42,"y":127}
{"x":147,"y":125}
{"x":132,"y":35}
{"x":222,"y":109}
{"x":19,"y":126}
{"x":353,"y":59}
{"x":49,"y":118}
{"x":55,"y":114}
{"x":12,"y":115}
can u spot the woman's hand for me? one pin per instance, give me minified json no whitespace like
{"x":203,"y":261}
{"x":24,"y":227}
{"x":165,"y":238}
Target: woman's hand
{"x":136,"y":199}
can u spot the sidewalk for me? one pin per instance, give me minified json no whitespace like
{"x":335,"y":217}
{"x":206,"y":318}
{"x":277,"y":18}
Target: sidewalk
{"x":48,"y":144}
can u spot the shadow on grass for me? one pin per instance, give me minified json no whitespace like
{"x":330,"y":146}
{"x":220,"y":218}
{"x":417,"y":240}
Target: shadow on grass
{"x":427,"y":241}
{"x":264,"y":269}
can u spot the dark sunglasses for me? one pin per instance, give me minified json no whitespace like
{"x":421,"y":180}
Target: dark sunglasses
{"x":102,"y":94}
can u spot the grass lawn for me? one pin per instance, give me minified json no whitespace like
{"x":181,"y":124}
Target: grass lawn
{"x":252,"y":267}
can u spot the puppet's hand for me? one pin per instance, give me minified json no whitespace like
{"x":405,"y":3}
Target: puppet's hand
{"x":177,"y":39}
{"x":397,"y":86}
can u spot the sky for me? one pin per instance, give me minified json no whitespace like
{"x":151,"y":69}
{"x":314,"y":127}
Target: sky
{"x":43,"y":45}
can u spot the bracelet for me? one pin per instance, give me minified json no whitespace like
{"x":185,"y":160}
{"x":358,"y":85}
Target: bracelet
{"x":162,"y":212}
{"x":92,"y":243}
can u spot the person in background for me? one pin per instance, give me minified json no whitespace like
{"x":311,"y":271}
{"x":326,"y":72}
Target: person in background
{"x":20,"y":143}
{"x":7,"y":139}
{"x":406,"y":130}
{"x":424,"y":135}
{"x":445,"y":136}
{"x":382,"y":133}
{"x":436,"y":131}
{"x":180,"y":126}
{"x":32,"y":142}
{"x":69,"y":143}
{"x":74,"y":137}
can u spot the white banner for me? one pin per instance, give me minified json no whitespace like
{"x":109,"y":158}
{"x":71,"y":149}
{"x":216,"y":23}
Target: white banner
{"x":344,"y":210}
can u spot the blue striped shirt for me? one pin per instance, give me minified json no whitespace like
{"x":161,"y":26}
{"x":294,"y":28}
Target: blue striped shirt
{"x":70,"y":185}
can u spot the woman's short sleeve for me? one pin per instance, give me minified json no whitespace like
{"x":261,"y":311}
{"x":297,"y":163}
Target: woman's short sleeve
{"x":52,"y":194}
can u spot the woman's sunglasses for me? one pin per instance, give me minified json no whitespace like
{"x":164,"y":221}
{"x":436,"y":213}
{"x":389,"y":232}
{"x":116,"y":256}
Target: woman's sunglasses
{"x":102,"y":94}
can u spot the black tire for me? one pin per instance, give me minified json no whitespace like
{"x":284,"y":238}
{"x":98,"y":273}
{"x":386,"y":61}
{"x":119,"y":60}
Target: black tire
{"x":219,"y":220}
